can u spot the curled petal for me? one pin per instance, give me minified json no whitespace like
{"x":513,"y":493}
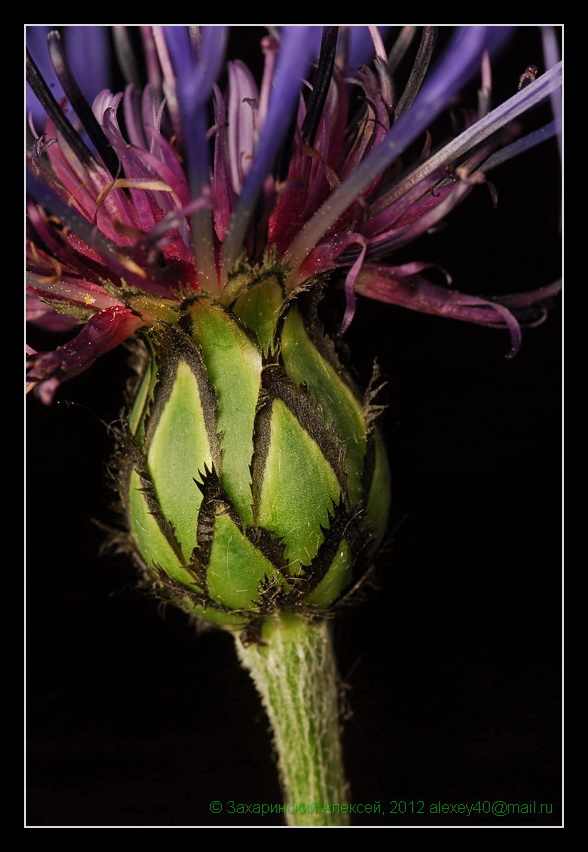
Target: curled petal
{"x":402,"y":285}
{"x":350,"y":285}
{"x":101,"y":333}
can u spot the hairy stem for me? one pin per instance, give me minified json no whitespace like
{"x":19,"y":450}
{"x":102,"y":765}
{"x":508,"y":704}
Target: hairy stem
{"x":294,"y":671}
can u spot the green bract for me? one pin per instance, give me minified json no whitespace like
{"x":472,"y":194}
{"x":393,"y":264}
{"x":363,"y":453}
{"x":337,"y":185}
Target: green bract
{"x":253,"y":476}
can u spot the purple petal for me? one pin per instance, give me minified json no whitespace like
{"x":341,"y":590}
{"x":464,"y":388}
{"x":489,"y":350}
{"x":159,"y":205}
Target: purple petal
{"x":84,"y":229}
{"x":80,"y":103}
{"x":108,"y":251}
{"x":132,"y":105}
{"x":195,"y":78}
{"x":151,"y":59}
{"x":525,"y":143}
{"x":169,"y":86}
{"x":295,"y":55}
{"x":460,"y":61}
{"x":419,"y":218}
{"x":142,"y":164}
{"x":530,"y":306}
{"x":402,"y":286}
{"x":502,"y":115}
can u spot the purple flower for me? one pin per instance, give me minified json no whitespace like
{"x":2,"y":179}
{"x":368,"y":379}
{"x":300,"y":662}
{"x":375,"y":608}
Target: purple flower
{"x":168,"y":189}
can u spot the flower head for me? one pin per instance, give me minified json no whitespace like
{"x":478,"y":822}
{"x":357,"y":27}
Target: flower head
{"x":181,"y":187}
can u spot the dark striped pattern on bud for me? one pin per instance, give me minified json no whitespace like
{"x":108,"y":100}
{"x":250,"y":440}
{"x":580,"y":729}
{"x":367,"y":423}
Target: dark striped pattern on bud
{"x":252,"y":475}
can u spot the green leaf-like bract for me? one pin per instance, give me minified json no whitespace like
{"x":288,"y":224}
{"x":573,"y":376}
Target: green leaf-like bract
{"x":257,"y":481}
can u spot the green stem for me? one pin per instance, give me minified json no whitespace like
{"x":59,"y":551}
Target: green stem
{"x":295,"y":674}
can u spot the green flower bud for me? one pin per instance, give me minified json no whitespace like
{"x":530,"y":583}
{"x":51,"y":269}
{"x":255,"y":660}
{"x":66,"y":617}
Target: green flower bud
{"x":253,"y":477}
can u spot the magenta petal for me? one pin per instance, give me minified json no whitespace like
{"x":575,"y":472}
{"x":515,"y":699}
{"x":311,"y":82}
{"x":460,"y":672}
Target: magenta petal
{"x":103,"y":332}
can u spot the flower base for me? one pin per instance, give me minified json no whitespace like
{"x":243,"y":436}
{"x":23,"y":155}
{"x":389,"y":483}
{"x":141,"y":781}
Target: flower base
{"x":295,"y":674}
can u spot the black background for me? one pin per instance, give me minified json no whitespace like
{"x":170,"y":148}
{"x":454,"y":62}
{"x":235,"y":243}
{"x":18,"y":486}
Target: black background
{"x":451,"y":666}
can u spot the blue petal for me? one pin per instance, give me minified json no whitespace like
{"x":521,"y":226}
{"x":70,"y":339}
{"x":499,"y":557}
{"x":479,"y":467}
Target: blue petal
{"x":194,"y":80}
{"x":36,"y":38}
{"x":87,"y":50}
{"x":361,"y":45}
{"x":88,"y":53}
{"x":196,"y":74}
